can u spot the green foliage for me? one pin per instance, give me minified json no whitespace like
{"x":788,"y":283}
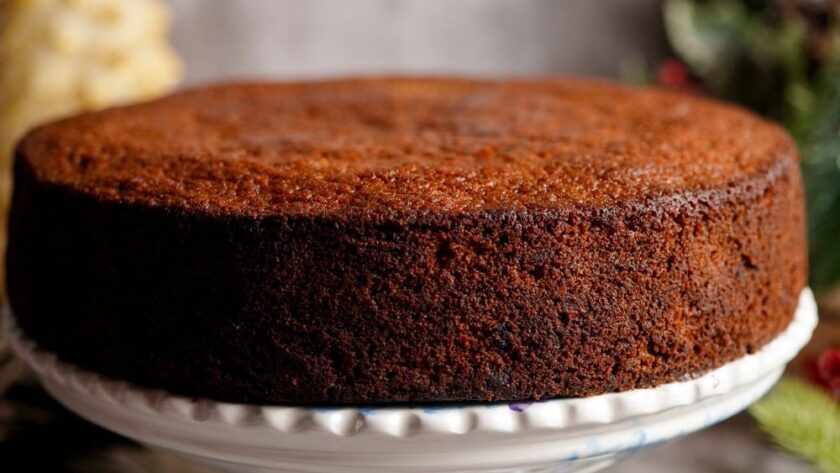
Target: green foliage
{"x":804,"y":420}
{"x":780,"y":58}
{"x":819,"y":141}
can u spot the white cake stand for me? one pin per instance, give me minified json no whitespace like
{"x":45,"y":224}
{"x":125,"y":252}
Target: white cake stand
{"x":564,"y":435}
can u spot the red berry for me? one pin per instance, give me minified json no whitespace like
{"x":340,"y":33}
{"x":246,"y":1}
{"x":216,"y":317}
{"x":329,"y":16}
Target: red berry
{"x":828,"y":364}
{"x":673,"y":74}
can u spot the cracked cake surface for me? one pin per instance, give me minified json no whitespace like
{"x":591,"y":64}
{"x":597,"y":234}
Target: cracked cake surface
{"x":407,"y":240}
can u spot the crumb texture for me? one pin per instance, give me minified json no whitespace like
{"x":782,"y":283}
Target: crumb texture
{"x":407,"y":240}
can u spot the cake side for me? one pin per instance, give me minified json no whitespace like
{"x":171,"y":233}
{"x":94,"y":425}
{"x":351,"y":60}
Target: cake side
{"x":408,"y":308}
{"x":639,"y":272}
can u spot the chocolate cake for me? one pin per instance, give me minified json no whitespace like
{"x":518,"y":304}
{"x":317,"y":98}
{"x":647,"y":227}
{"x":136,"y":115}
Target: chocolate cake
{"x":407,"y":240}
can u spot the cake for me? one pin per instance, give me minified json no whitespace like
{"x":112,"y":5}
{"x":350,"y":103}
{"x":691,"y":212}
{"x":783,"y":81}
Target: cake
{"x":376,"y":241}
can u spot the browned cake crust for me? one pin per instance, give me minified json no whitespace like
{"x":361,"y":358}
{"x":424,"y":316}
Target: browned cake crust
{"x":376,"y":241}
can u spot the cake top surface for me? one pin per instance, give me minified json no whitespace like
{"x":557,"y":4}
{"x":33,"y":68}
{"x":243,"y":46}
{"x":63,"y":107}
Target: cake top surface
{"x":406,"y":145}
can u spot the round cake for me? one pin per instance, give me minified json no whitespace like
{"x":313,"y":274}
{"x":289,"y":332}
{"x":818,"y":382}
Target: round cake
{"x":407,"y":240}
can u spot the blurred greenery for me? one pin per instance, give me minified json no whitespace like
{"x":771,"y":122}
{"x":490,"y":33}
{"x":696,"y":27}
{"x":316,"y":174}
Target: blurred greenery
{"x":805,"y":420}
{"x":780,"y":58}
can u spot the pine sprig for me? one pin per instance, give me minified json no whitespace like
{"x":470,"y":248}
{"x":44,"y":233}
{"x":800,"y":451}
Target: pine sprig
{"x":803,"y":419}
